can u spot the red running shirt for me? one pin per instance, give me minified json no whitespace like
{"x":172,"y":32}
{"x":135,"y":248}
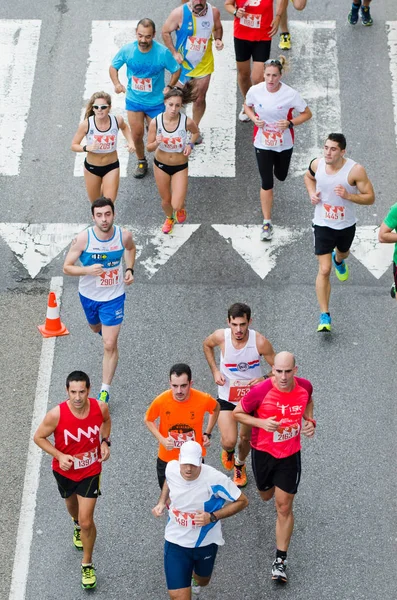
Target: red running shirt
{"x":265,"y":401}
{"x":255,"y":26}
{"x":79,"y":438}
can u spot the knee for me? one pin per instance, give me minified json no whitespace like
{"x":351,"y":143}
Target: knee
{"x":200,"y":100}
{"x":86,"y":522}
{"x":245,"y":438}
{"x":137,"y":133}
{"x":228,"y":442}
{"x":324,"y":271}
{"x":299,"y":4}
{"x":110,"y":345}
{"x":284,"y":509}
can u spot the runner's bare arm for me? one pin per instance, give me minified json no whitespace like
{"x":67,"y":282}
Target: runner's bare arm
{"x":153,"y":140}
{"x":266,"y":350}
{"x":172,"y":23}
{"x":308,"y":428}
{"x":213,"y":418}
{"x":44,"y":430}
{"x":129,"y":255}
{"x":212,"y":341}
{"x":269,"y":424}
{"x":358,"y":176}
{"x":218,"y":29}
{"x":387,"y":235}
{"x":126,"y":131}
{"x":158,"y":510}
{"x":105,"y":431}
{"x":78,"y":136}
{"x":75,"y":250}
{"x":250,"y":112}
{"x":114,"y":76}
{"x":168,"y":442}
{"x":281,"y":7}
{"x":191,"y":126}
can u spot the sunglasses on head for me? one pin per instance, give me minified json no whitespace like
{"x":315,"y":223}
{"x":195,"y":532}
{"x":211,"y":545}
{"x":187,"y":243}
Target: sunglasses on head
{"x":102,"y":106}
{"x":273,"y":61}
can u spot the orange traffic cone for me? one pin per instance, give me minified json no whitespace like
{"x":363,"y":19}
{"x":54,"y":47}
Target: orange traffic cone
{"x":53,"y":326}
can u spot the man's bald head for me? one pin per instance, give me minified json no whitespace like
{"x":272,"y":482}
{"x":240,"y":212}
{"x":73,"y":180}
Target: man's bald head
{"x":284,"y":370}
{"x":284,"y":358}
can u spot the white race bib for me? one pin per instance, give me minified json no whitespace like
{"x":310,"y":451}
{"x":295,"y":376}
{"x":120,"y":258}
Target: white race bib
{"x":196,"y":44}
{"x":106,"y":142}
{"x":284,"y":433}
{"x":181,"y":438}
{"x":183,"y":519}
{"x":333,"y":213}
{"x":108,"y":278}
{"x":252,"y":21}
{"x":271,"y":137}
{"x":81,"y":461}
{"x":141,"y":84}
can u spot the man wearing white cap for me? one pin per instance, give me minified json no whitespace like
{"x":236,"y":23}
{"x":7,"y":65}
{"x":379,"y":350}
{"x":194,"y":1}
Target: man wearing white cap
{"x":198,"y":497}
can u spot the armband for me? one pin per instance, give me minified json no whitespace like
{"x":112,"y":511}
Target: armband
{"x":312,"y":173}
{"x":85,"y":149}
{"x":191,"y":145}
{"x":311,"y":421}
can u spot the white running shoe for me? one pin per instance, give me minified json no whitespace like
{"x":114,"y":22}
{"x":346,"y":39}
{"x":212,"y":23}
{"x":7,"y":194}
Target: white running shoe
{"x":195,"y":588}
{"x":242,"y":116}
{"x":266,"y":232}
{"x":278,"y":570}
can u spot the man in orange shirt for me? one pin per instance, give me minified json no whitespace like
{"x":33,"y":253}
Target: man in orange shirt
{"x":180,"y":411}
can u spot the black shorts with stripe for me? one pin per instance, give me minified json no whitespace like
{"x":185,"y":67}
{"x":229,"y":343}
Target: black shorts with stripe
{"x":87,"y":488}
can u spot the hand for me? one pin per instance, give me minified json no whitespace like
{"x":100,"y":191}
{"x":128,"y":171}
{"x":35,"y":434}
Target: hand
{"x":258,"y":122}
{"x":219,"y":44}
{"x":240,"y":13}
{"x":206,"y":441}
{"x":178,"y":57}
{"x":341,"y":192}
{"x":283,"y":124}
{"x":158,"y":510}
{"x":315,"y":198}
{"x":187,"y":150}
{"x":95,"y":146}
{"x":308,"y":429}
{"x":131,"y":148}
{"x":128,"y":278}
{"x":119,"y":89}
{"x":95,"y":269}
{"x":65,"y":461}
{"x":105,"y":452}
{"x":274,"y":26}
{"x":202,"y":518}
{"x":270,"y":424}
{"x":168,"y":443}
{"x":255,"y":381}
{"x":219,"y":378}
{"x":159,"y":139}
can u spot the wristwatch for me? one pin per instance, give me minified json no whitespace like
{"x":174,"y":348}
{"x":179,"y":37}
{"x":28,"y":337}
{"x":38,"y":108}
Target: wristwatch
{"x":209,"y":435}
{"x":213,"y":518}
{"x":85,"y":149}
{"x":290,"y":124}
{"x":107,"y":441}
{"x":130,"y":269}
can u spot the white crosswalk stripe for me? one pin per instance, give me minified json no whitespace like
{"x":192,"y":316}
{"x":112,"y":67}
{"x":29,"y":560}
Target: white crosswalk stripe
{"x":392,"y":42}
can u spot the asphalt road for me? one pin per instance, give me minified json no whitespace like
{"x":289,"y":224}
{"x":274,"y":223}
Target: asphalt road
{"x":344,"y":544}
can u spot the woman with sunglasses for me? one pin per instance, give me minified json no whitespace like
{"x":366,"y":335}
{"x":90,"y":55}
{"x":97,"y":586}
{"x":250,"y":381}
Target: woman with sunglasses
{"x":170,"y":138}
{"x":270,"y":106}
{"x":101,"y":166}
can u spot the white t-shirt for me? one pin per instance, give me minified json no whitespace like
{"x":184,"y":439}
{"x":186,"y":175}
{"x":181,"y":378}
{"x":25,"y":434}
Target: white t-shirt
{"x":209,"y":492}
{"x":272,"y":107}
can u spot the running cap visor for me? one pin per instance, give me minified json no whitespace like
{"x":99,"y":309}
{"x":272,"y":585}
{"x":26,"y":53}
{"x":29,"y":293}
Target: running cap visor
{"x":190,"y":454}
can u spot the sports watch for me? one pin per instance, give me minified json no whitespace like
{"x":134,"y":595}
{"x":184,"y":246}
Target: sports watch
{"x":213,"y":518}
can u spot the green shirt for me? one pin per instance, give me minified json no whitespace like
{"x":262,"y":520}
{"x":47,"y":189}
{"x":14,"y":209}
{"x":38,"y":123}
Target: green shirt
{"x":391,"y":221}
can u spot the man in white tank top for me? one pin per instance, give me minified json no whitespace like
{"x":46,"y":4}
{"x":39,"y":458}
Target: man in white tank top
{"x":239,"y":370}
{"x":335,"y":185}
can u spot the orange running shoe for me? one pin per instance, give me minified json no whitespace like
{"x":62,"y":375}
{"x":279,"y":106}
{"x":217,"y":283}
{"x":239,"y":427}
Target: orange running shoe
{"x":180,"y":215}
{"x":240,"y":476}
{"x":227,"y":459}
{"x":168,"y":225}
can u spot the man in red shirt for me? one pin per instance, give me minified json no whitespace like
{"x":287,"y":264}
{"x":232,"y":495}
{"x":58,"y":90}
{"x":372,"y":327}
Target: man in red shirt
{"x":278,"y":406}
{"x":81,"y":429}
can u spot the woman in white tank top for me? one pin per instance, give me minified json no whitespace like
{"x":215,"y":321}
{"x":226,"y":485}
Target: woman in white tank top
{"x":169,"y":136}
{"x":101,"y":166}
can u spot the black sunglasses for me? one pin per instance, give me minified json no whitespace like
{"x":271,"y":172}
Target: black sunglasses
{"x":102,"y":107}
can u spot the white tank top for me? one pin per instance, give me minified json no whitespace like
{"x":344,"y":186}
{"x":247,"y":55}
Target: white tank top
{"x":333,"y":211}
{"x":107,"y":139}
{"x":238,"y":365}
{"x":108,"y":253}
{"x":173,"y":141}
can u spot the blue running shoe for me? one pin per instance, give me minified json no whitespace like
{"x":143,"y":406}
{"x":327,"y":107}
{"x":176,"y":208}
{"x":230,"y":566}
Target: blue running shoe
{"x":104,"y":396}
{"x":325,"y":322}
{"x":366,"y":18}
{"x":341,"y":271}
{"x":352,"y":17}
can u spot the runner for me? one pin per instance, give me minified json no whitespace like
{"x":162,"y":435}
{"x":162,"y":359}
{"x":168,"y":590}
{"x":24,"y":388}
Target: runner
{"x":254,"y":27}
{"x":100,"y":250}
{"x":101,"y":167}
{"x":168,"y":137}
{"x":365,"y":13}
{"x":270,"y":106}
{"x":285,"y":36}
{"x":180,"y":412}
{"x":81,"y":429}
{"x":198,"y":497}
{"x":335,"y":185}
{"x":146,"y":62}
{"x":279,"y":405}
{"x":241,"y":349}
{"x":196,"y":24}
{"x":387,"y":236}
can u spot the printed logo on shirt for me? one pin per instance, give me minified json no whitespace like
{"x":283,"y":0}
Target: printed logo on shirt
{"x":91,"y":431}
{"x":205,"y":24}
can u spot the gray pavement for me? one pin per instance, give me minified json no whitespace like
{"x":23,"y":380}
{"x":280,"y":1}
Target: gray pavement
{"x":344,"y":542}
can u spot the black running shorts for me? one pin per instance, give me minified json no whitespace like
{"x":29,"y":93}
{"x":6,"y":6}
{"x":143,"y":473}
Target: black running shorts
{"x":284,"y":473}
{"x":87,"y":488}
{"x":245,"y":50}
{"x":327,"y":239}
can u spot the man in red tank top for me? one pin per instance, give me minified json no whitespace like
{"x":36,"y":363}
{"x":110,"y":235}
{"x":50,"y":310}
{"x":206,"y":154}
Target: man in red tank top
{"x":278,"y":406}
{"x":81,"y":429}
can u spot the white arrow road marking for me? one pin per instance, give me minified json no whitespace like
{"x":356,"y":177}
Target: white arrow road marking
{"x":36,"y":245}
{"x":261,"y":256}
{"x":376,"y":257}
{"x":19,"y":41}
{"x":216,"y":157}
{"x":314,"y":50}
{"x":391,"y":27}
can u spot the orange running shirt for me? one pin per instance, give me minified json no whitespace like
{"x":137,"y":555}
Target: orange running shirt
{"x":182,"y":420}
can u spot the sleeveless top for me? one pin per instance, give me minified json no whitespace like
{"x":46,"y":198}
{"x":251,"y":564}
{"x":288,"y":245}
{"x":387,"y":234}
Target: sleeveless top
{"x":333,"y":211}
{"x":109,"y":254}
{"x":194,"y":42}
{"x":173,"y":141}
{"x":238,"y":366}
{"x":80,"y":439}
{"x":107,"y":139}
{"x":255,"y":26}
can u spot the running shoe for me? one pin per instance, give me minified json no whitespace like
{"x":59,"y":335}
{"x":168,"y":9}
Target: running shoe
{"x":278,"y":570}
{"x":227,"y":459}
{"x":240,"y":475}
{"x":342,"y":270}
{"x":77,"y":538}
{"x":104,"y":396}
{"x":393,"y":290}
{"x":195,"y":588}
{"x":267,"y":232}
{"x":242,"y":116}
{"x":168,"y":225}
{"x":180,"y":215}
{"x":366,"y":18}
{"x":285,"y":41}
{"x":199,"y":140}
{"x":325,"y":322}
{"x":140,"y":169}
{"x":88,"y":577}
{"x":352,"y":17}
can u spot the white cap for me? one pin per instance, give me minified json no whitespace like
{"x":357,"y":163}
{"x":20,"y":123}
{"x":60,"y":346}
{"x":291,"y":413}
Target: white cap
{"x":190,"y":454}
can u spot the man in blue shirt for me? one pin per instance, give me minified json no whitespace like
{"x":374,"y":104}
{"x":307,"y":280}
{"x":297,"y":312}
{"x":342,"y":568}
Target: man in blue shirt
{"x":146,"y":61}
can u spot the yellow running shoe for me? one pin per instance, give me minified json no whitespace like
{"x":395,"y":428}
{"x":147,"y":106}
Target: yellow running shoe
{"x":342,"y":270}
{"x":285,"y":41}
{"x":227,"y":459}
{"x":88,"y":577}
{"x":240,"y":475}
{"x":77,"y":538}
